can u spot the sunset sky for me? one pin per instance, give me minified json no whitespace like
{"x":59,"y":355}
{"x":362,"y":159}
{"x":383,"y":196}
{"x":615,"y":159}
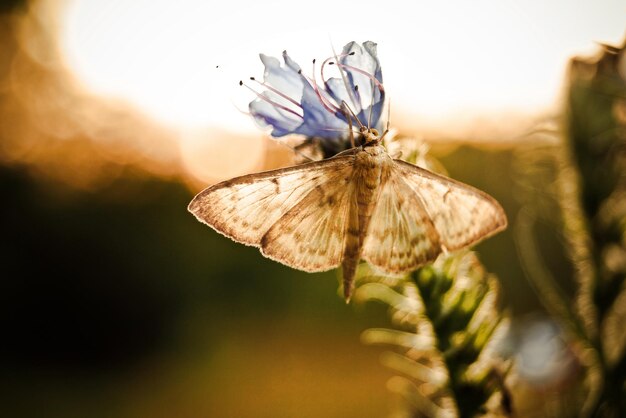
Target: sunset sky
{"x":157,"y":81}
{"x":439,"y":59}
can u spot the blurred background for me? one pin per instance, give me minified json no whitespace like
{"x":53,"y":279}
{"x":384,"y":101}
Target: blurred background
{"x":117,"y":302}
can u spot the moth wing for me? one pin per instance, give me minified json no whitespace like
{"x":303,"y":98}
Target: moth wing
{"x":312,"y":235}
{"x":246,"y":207}
{"x":461,"y":214}
{"x":401,"y":236}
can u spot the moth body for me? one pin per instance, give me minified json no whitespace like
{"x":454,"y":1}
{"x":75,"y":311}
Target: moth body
{"x":371,"y":168}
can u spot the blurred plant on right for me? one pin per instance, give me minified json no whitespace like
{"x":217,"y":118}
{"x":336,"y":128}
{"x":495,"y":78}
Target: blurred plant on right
{"x":588,"y":172}
{"x":463,"y":356}
{"x":446,"y":327}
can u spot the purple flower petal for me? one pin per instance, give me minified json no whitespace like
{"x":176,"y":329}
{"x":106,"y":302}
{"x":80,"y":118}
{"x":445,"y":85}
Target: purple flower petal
{"x":294,"y":104}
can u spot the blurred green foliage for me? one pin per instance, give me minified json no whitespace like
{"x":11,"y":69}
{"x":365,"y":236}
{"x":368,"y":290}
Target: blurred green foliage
{"x":593,"y":178}
{"x":580,"y":188}
{"x":447,"y":324}
{"x":97,"y":284}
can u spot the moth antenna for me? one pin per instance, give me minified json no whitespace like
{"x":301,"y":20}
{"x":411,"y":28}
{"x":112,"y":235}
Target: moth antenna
{"x":369,"y":117}
{"x":345,"y":106}
{"x":388,"y":121}
{"x":388,"y":114}
{"x":351,"y":133}
{"x":383,"y":135}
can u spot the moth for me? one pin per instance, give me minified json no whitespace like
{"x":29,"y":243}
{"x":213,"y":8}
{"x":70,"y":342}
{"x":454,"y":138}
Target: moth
{"x":359,"y":204}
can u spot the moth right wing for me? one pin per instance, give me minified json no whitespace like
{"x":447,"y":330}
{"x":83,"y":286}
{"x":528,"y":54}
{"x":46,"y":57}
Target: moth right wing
{"x":245,"y":208}
{"x":401,"y":236}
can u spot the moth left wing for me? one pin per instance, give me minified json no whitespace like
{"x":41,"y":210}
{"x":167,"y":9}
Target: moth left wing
{"x":461,"y":214}
{"x":246,"y":207}
{"x":312,"y":235}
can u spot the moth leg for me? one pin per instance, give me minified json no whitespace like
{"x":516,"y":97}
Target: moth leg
{"x":295,"y":149}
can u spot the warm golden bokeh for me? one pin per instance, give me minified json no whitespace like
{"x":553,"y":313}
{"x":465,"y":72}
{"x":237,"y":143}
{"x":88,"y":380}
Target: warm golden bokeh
{"x":138,"y":84}
{"x":166,"y":64}
{"x":51,"y":124}
{"x":112,"y":114}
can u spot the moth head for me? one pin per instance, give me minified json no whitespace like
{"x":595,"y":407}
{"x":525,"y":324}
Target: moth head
{"x":370,"y":136}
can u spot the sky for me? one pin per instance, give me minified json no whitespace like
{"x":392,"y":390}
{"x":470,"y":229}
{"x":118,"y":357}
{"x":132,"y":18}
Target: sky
{"x":439,"y":59}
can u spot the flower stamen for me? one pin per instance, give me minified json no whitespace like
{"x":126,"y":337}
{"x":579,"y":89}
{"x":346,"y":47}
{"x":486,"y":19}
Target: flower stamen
{"x":365,"y":73}
{"x":327,"y":104}
{"x":326,"y":62}
{"x":278,"y":92}
{"x":335,"y":104}
{"x":346,"y":84}
{"x":278,"y":106}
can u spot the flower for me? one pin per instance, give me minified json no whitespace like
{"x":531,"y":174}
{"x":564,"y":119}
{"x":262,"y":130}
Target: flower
{"x":293,"y":103}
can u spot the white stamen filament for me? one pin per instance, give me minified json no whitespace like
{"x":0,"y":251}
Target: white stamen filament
{"x":327,"y":104}
{"x":278,"y":92}
{"x":278,"y":106}
{"x":365,"y":73}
